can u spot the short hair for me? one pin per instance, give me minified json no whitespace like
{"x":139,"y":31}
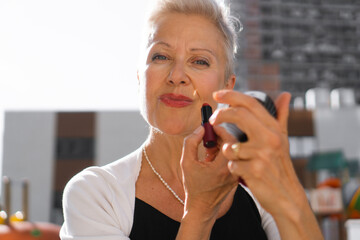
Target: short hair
{"x":214,"y":10}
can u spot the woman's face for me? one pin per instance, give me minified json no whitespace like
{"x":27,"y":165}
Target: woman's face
{"x":185,"y":64}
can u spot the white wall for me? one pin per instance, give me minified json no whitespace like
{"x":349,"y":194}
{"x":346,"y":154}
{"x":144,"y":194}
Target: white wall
{"x":29,"y":153}
{"x":2,"y":115}
{"x":338,"y":129}
{"x":118,"y":134}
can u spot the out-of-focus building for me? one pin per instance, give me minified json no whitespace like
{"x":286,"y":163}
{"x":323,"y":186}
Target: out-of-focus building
{"x":295,"y":45}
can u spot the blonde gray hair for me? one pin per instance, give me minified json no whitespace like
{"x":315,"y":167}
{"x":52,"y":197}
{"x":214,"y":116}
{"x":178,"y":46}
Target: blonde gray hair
{"x":213,"y":10}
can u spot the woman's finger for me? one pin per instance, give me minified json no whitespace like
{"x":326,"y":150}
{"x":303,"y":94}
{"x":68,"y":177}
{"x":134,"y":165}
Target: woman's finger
{"x":242,"y":118}
{"x":239,"y":151}
{"x":241,"y":169}
{"x":223,"y":135}
{"x":238,"y":99}
{"x":282,"y":106}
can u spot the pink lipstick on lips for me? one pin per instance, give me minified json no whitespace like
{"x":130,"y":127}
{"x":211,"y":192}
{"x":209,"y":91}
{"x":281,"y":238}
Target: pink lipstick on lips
{"x":175,"y":100}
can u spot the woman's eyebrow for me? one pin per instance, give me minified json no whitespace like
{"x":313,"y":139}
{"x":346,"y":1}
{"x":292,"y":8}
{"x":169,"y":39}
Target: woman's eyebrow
{"x":204,"y":49}
{"x":192,"y":49}
{"x":162,"y":43}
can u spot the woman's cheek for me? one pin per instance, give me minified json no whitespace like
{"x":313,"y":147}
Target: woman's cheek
{"x":206,"y":88}
{"x":145,"y":92}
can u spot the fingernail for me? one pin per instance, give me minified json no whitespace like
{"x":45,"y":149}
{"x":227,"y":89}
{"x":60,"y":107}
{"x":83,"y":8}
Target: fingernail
{"x":236,"y":147}
{"x":225,"y":146}
{"x":231,"y":166}
{"x":212,"y":118}
{"x":219,"y":93}
{"x":198,"y":130}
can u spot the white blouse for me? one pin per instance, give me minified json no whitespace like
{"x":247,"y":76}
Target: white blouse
{"x":99,"y":202}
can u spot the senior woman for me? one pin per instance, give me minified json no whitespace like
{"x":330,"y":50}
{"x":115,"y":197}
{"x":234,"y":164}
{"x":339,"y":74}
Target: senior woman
{"x":174,"y":188}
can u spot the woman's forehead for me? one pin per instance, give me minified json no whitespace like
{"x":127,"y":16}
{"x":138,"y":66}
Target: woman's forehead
{"x":196,"y":31}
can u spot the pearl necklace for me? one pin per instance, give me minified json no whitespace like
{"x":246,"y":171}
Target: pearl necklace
{"x":161,"y":179}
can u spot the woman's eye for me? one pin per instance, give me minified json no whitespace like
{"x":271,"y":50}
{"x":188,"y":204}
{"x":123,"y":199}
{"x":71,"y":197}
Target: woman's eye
{"x":159,"y":57}
{"x":201,"y":62}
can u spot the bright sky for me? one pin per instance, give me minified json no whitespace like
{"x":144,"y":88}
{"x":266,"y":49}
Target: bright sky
{"x":69,"y":54}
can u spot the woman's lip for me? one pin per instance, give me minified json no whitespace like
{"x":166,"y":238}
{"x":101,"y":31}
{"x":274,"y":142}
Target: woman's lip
{"x":175,"y":100}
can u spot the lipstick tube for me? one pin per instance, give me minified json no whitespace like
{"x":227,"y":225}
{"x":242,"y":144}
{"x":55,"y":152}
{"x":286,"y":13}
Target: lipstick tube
{"x":209,"y":139}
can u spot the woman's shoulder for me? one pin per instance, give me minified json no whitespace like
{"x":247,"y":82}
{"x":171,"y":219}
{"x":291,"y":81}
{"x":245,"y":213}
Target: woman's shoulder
{"x":109,"y":191}
{"x":124,"y":167}
{"x":115,"y":176}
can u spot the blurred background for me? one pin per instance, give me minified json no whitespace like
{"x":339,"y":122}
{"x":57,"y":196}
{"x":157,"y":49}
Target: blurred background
{"x":68,"y":94}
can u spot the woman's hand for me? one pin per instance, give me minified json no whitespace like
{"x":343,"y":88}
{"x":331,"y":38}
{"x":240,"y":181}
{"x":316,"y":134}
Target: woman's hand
{"x":264,"y":162}
{"x":207,"y":181}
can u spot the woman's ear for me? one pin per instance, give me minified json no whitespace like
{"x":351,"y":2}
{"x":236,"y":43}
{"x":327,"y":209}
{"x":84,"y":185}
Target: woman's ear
{"x":230,"y":83}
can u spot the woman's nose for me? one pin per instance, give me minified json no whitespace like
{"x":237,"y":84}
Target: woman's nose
{"x":177,"y":75}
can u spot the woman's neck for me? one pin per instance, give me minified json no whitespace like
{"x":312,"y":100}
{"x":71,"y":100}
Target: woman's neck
{"x":164,"y":151}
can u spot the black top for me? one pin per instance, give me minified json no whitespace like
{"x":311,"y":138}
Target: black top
{"x":242,"y":221}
